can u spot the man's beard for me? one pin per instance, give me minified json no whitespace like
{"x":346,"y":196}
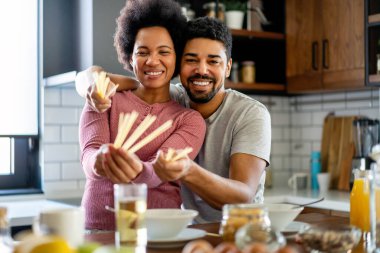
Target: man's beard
{"x":204,"y":98}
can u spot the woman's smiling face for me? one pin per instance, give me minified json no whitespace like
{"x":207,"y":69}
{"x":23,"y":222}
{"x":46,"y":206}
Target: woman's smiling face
{"x":153,"y":58}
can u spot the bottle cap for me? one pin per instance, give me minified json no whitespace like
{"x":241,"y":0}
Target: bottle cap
{"x":315,"y":155}
{"x":247,"y":63}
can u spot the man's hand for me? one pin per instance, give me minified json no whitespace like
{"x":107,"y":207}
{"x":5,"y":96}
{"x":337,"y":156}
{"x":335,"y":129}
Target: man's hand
{"x":120,"y":166}
{"x":169,"y":170}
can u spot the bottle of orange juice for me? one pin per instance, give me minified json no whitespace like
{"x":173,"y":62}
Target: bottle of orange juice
{"x":359,"y":201}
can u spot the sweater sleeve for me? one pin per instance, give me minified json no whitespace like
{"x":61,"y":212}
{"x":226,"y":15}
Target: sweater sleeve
{"x":93,"y":132}
{"x":190,"y":132}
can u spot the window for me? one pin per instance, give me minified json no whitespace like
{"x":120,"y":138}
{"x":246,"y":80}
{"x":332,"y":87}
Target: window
{"x":20,"y":70}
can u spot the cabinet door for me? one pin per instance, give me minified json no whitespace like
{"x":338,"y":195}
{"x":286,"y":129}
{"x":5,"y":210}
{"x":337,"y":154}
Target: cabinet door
{"x":303,"y":45}
{"x":343,"y":43}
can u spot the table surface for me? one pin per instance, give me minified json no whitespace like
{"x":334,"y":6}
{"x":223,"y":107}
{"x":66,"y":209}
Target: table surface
{"x":311,"y":218}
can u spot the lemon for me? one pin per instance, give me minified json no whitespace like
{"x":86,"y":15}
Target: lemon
{"x":43,"y":244}
{"x":56,"y":246}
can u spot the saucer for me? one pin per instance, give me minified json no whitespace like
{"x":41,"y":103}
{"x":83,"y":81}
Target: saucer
{"x":177,"y":241}
{"x":295,"y":227}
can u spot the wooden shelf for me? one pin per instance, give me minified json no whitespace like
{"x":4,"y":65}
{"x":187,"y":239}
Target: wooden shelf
{"x":277,"y":87}
{"x":375,"y":18}
{"x":261,"y":35}
{"x":374,"y":78}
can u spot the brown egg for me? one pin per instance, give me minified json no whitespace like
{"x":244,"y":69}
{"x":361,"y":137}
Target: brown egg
{"x":256,"y":247}
{"x":287,"y":249}
{"x":226,"y":247}
{"x":198,"y":246}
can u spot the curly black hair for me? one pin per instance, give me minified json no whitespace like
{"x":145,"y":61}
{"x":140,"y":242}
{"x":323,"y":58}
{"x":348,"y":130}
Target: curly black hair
{"x":138,"y":14}
{"x":210,"y":28}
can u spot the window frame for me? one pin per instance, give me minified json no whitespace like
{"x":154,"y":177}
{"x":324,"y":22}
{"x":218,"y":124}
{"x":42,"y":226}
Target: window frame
{"x":27,"y":152}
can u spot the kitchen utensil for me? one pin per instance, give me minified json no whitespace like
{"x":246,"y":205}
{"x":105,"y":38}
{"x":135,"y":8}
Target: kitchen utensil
{"x":310,"y":203}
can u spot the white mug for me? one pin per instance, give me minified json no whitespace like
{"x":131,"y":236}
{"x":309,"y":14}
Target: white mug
{"x":298,"y":181}
{"x":67,"y":223}
{"x":323,"y":182}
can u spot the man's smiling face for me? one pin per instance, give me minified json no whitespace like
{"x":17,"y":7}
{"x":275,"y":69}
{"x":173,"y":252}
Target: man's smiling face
{"x":204,"y":67}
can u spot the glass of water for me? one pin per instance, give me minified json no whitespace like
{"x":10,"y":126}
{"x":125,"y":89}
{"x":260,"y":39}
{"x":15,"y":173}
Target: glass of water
{"x":130,"y":206}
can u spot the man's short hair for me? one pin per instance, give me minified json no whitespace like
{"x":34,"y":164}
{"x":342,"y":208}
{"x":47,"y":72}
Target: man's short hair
{"x":210,"y":28}
{"x":138,"y":14}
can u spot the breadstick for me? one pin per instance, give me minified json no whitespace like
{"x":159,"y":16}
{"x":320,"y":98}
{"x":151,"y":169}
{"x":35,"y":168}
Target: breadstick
{"x":125,"y":125}
{"x":182,"y":154}
{"x":113,"y":89}
{"x":119,"y":140}
{"x":170,"y":154}
{"x":151,"y":136}
{"x":139,"y":131}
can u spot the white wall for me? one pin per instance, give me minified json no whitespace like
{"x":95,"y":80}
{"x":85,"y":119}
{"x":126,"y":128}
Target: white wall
{"x":296,"y":131}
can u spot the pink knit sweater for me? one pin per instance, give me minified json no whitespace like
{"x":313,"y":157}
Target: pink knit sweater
{"x":188,"y":130}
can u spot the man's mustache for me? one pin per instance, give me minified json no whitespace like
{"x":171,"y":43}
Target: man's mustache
{"x":204,"y":77}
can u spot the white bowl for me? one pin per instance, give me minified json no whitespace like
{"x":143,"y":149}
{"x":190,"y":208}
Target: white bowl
{"x":167,"y":223}
{"x":281,"y":215}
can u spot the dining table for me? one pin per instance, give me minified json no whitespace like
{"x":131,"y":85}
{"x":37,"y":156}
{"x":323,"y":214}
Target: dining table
{"x":212,"y":233}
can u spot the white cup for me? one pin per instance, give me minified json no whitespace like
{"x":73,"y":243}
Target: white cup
{"x":323,"y":181}
{"x":67,"y":223}
{"x":298,"y":181}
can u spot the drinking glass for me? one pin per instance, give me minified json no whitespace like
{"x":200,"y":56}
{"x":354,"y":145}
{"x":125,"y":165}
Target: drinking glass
{"x":130,"y":207}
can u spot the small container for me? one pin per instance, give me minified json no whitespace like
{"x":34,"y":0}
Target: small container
{"x":330,"y":238}
{"x":235,"y":72}
{"x":237,"y":215}
{"x":248,"y":72}
{"x":210,"y":10}
{"x":6,"y":241}
{"x":315,"y":168}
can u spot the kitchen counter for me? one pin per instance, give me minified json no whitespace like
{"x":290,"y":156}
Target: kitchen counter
{"x":334,"y":200}
{"x":22,"y":211}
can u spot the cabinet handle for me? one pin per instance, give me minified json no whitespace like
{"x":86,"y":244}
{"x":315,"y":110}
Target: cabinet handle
{"x":314,"y":60}
{"x":326,"y":55}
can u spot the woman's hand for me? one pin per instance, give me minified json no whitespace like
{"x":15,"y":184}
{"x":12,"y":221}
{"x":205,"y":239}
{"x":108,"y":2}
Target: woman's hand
{"x":98,"y":103}
{"x":120,"y":166}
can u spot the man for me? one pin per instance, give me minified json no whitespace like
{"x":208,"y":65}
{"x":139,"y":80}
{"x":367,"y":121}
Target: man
{"x":230,"y":167}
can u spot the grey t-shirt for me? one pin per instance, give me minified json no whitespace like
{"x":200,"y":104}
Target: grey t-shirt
{"x":240,"y":125}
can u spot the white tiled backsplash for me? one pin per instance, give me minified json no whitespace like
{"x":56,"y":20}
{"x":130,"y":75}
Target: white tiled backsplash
{"x":296,"y":131}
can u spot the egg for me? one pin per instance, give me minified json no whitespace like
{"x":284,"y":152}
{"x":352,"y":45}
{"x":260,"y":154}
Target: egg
{"x":287,"y":249}
{"x":226,"y":247}
{"x":256,"y":248}
{"x":198,"y":246}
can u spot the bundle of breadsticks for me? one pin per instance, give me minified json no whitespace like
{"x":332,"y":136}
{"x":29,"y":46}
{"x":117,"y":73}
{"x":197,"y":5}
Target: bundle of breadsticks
{"x":102,"y":83}
{"x":126,"y":121}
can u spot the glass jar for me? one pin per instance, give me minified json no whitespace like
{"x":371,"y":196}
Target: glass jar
{"x":237,"y":215}
{"x":6,"y":241}
{"x":210,"y":10}
{"x":248,"y":72}
{"x":359,"y":200}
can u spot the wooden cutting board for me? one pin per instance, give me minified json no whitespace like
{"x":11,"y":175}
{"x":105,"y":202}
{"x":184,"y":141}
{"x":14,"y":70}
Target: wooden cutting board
{"x":325,"y":143}
{"x":337,"y":150}
{"x":334,"y":149}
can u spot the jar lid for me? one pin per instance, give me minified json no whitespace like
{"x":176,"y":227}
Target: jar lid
{"x":247,"y":63}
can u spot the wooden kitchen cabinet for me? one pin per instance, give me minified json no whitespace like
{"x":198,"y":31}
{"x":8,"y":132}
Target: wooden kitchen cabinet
{"x":372,"y":29}
{"x":324,"y":45}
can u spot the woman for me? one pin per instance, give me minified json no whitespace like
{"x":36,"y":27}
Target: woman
{"x":147,"y":41}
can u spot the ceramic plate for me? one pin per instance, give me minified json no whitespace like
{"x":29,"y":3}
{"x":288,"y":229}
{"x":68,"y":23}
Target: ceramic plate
{"x":294,"y":227}
{"x":178,"y":241}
